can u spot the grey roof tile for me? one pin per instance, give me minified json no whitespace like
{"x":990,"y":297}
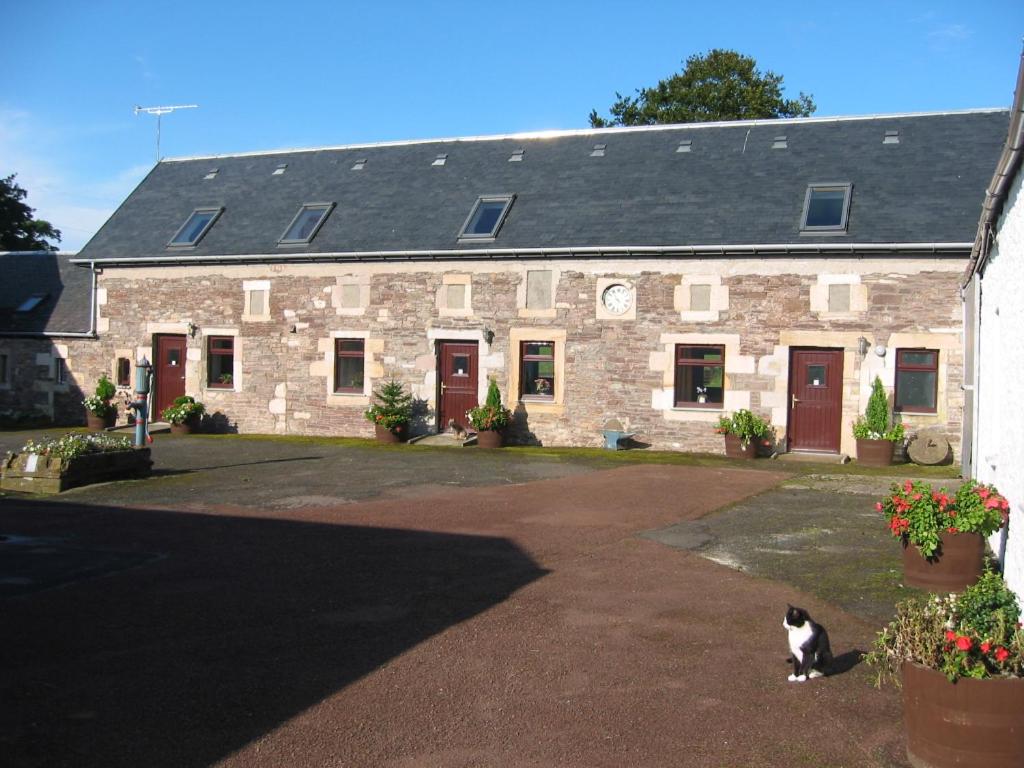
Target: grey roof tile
{"x":67,"y":288}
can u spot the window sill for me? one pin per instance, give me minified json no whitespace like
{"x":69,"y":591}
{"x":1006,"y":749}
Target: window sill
{"x":698,"y":408}
{"x":220,"y":389}
{"x":916,"y":413}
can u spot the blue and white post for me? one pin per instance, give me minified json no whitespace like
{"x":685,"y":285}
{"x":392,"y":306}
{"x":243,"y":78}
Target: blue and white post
{"x":143,"y":377}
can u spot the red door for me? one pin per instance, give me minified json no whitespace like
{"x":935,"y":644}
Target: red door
{"x":168,"y":372}
{"x":815,"y":399}
{"x":457,"y":364}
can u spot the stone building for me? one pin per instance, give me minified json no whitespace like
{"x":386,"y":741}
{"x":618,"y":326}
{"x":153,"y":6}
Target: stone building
{"x":661,"y":275}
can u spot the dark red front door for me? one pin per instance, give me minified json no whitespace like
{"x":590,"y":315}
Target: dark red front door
{"x":168,"y":371}
{"x":815,"y":399}
{"x":457,"y":364}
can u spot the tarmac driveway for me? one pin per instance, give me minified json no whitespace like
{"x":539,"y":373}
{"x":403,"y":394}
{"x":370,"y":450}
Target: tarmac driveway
{"x":518,"y":623}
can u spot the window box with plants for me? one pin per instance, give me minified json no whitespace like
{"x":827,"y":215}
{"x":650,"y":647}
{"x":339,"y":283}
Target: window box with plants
{"x":56,"y":464}
{"x":943,"y":536}
{"x":100,"y":413}
{"x":391,"y":413}
{"x":875,"y":432}
{"x":743,"y":432}
{"x":184,"y":415}
{"x":490,"y":419}
{"x":960,"y":660}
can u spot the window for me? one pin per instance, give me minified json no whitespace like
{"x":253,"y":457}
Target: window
{"x":220,"y":362}
{"x":5,"y":372}
{"x":486,"y":217}
{"x":826,"y":208}
{"x":700,"y":297}
{"x":124,"y":372}
{"x":839,"y":297}
{"x":195,"y":227}
{"x":60,"y":370}
{"x":538,"y":288}
{"x":537,"y":379}
{"x":31,"y":302}
{"x":257,"y":300}
{"x":917,"y":376}
{"x":348,"y":365}
{"x":700,"y":376}
{"x":306,"y":223}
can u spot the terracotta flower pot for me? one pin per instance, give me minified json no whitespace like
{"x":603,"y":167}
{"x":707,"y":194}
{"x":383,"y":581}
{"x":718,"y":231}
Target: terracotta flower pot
{"x":970,"y":722}
{"x":185,"y":428}
{"x":95,"y":423}
{"x":957,"y":563}
{"x":875,"y":453}
{"x":489,"y":438}
{"x":395,"y":435}
{"x":735,"y":449}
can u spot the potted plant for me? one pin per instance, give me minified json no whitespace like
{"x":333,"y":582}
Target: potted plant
{"x":948,"y":532}
{"x":743,"y":430}
{"x":490,"y":419}
{"x":875,"y":433}
{"x":391,"y":413}
{"x":184,"y":415}
{"x":100,"y":413}
{"x":960,"y":660}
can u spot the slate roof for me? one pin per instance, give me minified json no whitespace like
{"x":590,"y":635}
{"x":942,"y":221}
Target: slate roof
{"x":67,"y":289}
{"x":732,"y":188}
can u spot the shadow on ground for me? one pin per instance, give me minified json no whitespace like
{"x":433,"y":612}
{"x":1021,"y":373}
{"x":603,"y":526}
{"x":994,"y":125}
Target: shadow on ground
{"x":207,"y":632}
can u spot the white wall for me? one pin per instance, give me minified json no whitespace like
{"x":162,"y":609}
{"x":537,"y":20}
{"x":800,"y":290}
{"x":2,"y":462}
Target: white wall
{"x":999,"y":453}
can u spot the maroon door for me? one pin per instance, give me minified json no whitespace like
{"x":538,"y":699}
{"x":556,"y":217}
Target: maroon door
{"x":815,"y":399}
{"x":457,"y":364}
{"x":168,"y":372}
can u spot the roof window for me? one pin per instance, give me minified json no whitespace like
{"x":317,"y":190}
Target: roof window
{"x":487,"y":216}
{"x":195,"y":227}
{"x":826,"y":208}
{"x":212,"y":173}
{"x":280,"y":169}
{"x":892,"y":136}
{"x":517,"y":156}
{"x":358,"y":165}
{"x":307,"y":223}
{"x":684,"y":145}
{"x":598,"y":150}
{"x":440,"y":160}
{"x":780,"y":142}
{"x":31,"y":302}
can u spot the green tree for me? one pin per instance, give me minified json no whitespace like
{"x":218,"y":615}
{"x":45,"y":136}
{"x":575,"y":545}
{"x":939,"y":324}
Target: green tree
{"x":721,"y":85}
{"x":19,"y":231}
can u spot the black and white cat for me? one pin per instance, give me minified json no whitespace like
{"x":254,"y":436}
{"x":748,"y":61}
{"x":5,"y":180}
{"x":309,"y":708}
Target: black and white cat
{"x":808,"y":642}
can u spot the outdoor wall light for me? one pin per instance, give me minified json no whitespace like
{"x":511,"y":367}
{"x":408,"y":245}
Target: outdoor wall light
{"x":863,"y":345}
{"x":192,"y":328}
{"x":488,"y":335}
{"x":880,"y":350}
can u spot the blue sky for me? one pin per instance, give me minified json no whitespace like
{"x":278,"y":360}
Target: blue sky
{"x":270,"y":75}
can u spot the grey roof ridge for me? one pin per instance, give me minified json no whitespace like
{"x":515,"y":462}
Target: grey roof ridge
{"x":569,"y":132}
{"x":38,"y":253}
{"x":497,"y":253}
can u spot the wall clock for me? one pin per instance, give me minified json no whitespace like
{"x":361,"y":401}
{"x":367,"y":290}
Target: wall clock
{"x":617,"y":298}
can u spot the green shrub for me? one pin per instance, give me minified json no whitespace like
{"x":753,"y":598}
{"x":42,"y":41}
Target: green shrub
{"x":393,"y":408}
{"x":875,"y":423}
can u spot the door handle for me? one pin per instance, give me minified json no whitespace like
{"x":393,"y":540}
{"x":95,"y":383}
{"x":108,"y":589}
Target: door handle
{"x":443,"y":387}
{"x":795,"y":399}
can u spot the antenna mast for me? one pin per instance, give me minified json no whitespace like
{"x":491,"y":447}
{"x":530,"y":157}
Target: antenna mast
{"x":160,"y":112}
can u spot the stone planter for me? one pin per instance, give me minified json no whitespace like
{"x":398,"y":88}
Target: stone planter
{"x":957,"y":563}
{"x":44,"y":474}
{"x":489,"y":438}
{"x":397,"y":434}
{"x":968,"y":724}
{"x":875,"y":453}
{"x":735,"y":449}
{"x":96,"y":423}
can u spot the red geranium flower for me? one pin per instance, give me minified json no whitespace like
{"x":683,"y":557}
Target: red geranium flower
{"x":964,"y":643}
{"x":986,"y":647}
{"x":907,"y":486}
{"x":878,"y":506}
{"x":950,"y":634}
{"x":1002,"y":654}
{"x":952,"y":529}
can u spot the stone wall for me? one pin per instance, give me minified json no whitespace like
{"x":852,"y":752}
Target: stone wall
{"x":33,"y":376}
{"x":609,"y":366}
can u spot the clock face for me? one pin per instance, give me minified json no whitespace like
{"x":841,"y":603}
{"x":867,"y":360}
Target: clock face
{"x":617,"y":299}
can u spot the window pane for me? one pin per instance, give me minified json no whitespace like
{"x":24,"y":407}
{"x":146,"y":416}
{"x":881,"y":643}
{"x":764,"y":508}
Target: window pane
{"x":350,"y":345}
{"x":924,"y":358}
{"x":349,"y":373}
{"x":699,"y":384}
{"x":220,"y":370}
{"x":194,"y":227}
{"x":538,"y":378}
{"x":825,"y":208}
{"x":915,"y":389}
{"x":700,"y":353}
{"x":305,"y":223}
{"x":486,"y":217}
{"x":124,"y":372}
{"x":816,"y":376}
{"x":222,"y":344}
{"x":460,"y":365}
{"x":544,"y":348}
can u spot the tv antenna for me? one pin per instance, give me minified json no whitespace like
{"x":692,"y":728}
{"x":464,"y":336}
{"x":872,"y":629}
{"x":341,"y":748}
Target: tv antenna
{"x":160,"y":112}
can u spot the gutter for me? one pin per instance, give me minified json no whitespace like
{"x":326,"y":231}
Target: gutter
{"x":90,"y":334}
{"x":657,"y":251}
{"x":998,"y":189}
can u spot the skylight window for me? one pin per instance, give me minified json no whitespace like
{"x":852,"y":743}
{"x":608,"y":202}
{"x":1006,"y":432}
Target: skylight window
{"x":280,"y":169}
{"x":891,"y":136}
{"x":212,"y":173}
{"x":358,"y":165}
{"x":598,"y":150}
{"x":195,"y":227}
{"x":684,"y":145}
{"x":31,"y":302}
{"x":306,"y":223}
{"x":826,"y":208}
{"x":487,"y":216}
{"x":440,"y":160}
{"x":517,"y":156}
{"x":780,"y":142}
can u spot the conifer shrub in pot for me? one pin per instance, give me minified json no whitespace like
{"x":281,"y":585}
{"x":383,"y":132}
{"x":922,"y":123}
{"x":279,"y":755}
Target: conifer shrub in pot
{"x":743,"y":431}
{"x":875,"y":433}
{"x":960,"y":661}
{"x":943,"y":536}
{"x":391,"y":413}
{"x":490,"y":419}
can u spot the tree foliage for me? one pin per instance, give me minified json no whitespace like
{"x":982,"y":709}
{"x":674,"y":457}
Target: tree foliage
{"x":19,"y":231}
{"x":720,"y":85}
